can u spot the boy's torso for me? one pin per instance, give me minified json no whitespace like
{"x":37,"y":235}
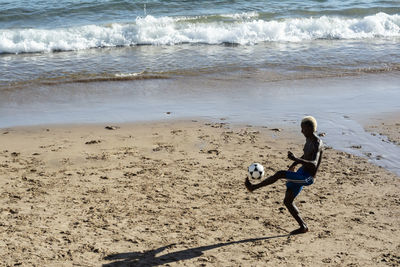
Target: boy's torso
{"x":311,"y":150}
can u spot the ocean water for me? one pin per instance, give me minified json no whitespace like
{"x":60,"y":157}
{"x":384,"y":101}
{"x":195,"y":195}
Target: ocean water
{"x":46,"y":42}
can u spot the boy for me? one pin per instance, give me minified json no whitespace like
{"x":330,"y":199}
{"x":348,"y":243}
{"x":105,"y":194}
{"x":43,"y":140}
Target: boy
{"x":304,"y":176}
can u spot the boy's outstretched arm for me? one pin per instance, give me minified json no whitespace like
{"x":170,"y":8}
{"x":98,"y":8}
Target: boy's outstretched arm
{"x":292,"y":166}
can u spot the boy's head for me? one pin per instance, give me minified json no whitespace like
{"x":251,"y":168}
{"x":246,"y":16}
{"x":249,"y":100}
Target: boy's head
{"x":308,"y":126}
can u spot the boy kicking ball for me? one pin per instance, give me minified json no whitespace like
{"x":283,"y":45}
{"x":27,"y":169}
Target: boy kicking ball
{"x":304,"y":176}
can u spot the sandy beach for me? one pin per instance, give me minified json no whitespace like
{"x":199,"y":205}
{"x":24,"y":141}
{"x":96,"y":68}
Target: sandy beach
{"x":171,"y":193}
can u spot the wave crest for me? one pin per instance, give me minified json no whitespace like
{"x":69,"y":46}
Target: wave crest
{"x":248,"y":30}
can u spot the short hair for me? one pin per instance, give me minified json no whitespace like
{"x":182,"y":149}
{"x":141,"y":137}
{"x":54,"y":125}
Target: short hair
{"x":310,"y":121}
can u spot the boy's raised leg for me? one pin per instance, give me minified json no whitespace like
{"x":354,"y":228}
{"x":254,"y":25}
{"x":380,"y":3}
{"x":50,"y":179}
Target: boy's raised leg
{"x":270,"y":180}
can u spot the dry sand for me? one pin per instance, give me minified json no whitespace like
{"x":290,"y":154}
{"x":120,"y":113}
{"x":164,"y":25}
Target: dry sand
{"x":172,"y":193}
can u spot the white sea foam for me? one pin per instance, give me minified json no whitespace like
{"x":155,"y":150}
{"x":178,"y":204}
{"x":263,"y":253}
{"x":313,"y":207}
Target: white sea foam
{"x":241,"y":16}
{"x":169,"y":31}
{"x":125,"y":75}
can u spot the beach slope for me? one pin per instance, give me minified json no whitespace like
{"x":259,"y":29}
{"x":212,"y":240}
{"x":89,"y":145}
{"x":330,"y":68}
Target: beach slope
{"x":172,"y":193}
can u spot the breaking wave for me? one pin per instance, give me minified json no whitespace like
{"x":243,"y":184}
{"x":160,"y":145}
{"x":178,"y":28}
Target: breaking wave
{"x":244,"y":29}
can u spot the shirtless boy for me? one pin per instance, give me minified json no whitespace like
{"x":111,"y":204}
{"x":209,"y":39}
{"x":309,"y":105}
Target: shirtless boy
{"x":304,"y":176}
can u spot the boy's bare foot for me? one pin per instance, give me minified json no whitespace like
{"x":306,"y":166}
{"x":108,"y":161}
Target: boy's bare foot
{"x":248,"y":185}
{"x":301,"y":230}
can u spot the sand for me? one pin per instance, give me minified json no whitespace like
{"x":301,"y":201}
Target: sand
{"x":388,"y":127}
{"x":171,"y":193}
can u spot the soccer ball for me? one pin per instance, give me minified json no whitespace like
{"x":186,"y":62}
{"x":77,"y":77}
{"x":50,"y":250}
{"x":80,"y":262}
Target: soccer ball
{"x":256,"y":171}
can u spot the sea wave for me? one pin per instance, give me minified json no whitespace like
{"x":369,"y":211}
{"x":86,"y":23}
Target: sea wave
{"x":149,"y":30}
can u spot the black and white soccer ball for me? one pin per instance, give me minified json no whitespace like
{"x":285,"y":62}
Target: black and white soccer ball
{"x":256,"y":171}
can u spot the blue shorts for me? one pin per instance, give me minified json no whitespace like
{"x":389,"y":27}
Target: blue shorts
{"x":296,"y":180}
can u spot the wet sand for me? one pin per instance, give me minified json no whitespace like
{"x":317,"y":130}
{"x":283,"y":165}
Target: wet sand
{"x":338,"y":104}
{"x":388,"y":128}
{"x":171,"y":193}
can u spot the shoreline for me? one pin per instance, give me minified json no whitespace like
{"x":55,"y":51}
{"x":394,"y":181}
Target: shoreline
{"x":375,"y":138}
{"x":386,"y":125}
{"x":207,"y":97}
{"x":341,"y":105}
{"x":158,"y":193}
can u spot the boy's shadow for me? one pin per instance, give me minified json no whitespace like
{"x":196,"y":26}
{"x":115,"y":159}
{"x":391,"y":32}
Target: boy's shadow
{"x":149,"y":258}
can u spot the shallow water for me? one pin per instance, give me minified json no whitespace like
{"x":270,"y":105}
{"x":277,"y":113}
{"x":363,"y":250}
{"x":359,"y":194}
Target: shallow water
{"x":349,"y":135}
{"x":338,"y":105}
